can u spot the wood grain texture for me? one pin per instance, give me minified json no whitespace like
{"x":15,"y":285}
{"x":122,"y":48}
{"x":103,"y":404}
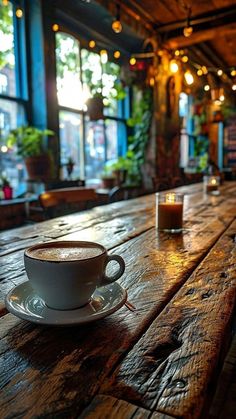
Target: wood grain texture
{"x":224,"y":402}
{"x":106,"y":407}
{"x":67,"y":366}
{"x":172,"y":366}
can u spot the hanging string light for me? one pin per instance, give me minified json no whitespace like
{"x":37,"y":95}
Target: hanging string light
{"x":233,"y":73}
{"x":204,"y":69}
{"x":188,"y":77}
{"x":116,"y":54}
{"x":199,"y":72}
{"x":92,"y":44}
{"x":104,"y":56}
{"x":19,"y":13}
{"x":219,"y":72}
{"x":116,"y":24}
{"x":185,"y":59}
{"x":234,"y":87}
{"x":174,"y":66}
{"x":55,"y":27}
{"x":188,"y":30}
{"x":206,"y":87}
{"x":132,"y":61}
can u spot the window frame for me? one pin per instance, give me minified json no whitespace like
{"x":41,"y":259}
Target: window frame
{"x":121,"y":145}
{"x":21,"y":78}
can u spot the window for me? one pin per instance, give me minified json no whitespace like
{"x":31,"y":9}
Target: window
{"x":82,"y":74}
{"x":12,"y":88}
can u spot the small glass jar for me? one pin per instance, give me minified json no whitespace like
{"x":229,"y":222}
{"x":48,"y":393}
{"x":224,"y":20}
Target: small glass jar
{"x":169,"y":211}
{"x":211,"y":184}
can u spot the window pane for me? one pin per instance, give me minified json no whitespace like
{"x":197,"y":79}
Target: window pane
{"x":69,"y":87}
{"x":94,"y":148}
{"x":12,"y":114}
{"x":11,"y":165}
{"x":70,"y":142}
{"x":7,"y":56}
{"x":111,"y":88}
{"x":112,"y":135}
{"x":116,"y":139}
{"x":91,"y":73}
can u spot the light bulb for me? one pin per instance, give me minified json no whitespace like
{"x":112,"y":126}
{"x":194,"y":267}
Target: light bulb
{"x":92,"y":43}
{"x":200,"y":72}
{"x":177,"y":53}
{"x":104,"y":56}
{"x":233,"y":73}
{"x":19,"y":13}
{"x":204,"y":69}
{"x":188,"y":30}
{"x":234,"y":87}
{"x":188,"y":77}
{"x":117,"y":54}
{"x":152,"y":81}
{"x":174,"y":66}
{"x":219,"y":72}
{"x":116,"y":26}
{"x":222,"y":98}
{"x":132,"y":61}
{"x":206,"y":87}
{"x":55,"y":27}
{"x":185,"y":59}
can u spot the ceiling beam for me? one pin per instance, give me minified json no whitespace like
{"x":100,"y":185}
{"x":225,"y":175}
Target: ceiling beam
{"x":201,"y":36}
{"x":213,"y":18}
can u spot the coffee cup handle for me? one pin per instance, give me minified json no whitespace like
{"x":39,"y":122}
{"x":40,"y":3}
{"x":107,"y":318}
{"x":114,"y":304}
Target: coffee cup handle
{"x":109,"y":279}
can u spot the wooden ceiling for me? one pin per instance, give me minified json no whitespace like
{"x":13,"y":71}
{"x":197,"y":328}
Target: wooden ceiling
{"x":213,"y":22}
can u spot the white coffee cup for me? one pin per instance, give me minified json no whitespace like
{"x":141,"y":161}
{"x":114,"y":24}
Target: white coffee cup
{"x":65,"y":273}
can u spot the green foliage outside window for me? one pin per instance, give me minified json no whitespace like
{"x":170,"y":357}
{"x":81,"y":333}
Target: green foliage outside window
{"x":6,"y":30}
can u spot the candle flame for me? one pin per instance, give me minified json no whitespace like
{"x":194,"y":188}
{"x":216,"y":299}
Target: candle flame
{"x":170,"y":197}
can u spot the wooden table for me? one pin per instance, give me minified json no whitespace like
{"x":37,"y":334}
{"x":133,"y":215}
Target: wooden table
{"x":160,"y":361}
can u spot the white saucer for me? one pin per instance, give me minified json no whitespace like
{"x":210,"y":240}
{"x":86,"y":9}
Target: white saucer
{"x":23,"y":302}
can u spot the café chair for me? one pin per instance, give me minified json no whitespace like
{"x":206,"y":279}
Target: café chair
{"x":120,"y":193}
{"x":60,"y":202}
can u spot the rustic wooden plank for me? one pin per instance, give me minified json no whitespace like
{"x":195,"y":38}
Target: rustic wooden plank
{"x":21,"y":238}
{"x":204,"y":226}
{"x":172,"y":366}
{"x":106,"y":407}
{"x":56,"y":361}
{"x":224,"y":403}
{"x":109,"y":232}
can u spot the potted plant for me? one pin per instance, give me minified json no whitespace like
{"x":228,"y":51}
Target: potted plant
{"x":31,"y":145}
{"x":6,"y":187}
{"x":107,"y":177}
{"x":95,"y":107}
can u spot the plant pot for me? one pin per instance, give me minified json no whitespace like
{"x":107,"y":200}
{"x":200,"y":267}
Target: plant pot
{"x":108,"y":182}
{"x":95,"y":108}
{"x":120,"y":176}
{"x":7,"y":192}
{"x":39,"y":167}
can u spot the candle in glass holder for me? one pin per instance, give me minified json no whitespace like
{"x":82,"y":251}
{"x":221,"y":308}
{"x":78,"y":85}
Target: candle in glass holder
{"x":169,"y":211}
{"x":211,"y":184}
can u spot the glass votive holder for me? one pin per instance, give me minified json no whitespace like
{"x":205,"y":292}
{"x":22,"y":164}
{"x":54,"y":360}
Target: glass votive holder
{"x":211,"y":184}
{"x":169,"y":211}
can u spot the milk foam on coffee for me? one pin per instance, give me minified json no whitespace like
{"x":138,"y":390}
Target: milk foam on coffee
{"x":64,"y":253}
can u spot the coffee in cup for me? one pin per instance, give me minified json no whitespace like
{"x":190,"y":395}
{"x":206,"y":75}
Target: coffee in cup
{"x":66,"y":273}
